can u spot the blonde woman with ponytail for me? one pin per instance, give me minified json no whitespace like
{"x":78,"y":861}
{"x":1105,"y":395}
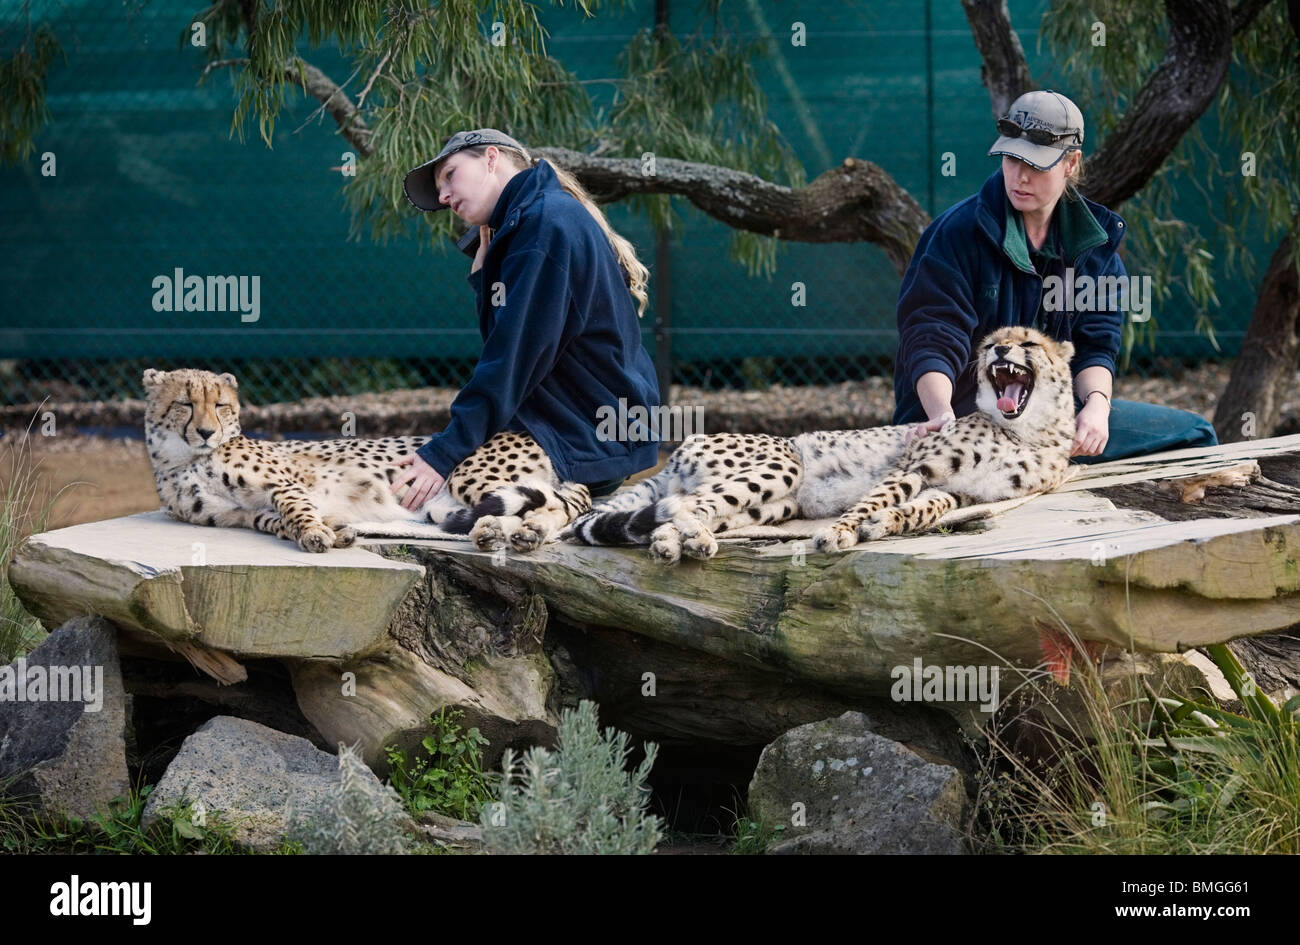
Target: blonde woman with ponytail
{"x":559,"y":294}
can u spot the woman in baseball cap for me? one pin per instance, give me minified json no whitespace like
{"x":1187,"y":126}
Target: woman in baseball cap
{"x":558,"y":295}
{"x":983,"y":264}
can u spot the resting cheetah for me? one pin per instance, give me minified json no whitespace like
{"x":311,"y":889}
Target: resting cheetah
{"x":313,"y":491}
{"x":1018,"y":443}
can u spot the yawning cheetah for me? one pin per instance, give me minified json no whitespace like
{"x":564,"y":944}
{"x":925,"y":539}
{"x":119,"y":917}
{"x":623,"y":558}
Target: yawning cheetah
{"x":1017,"y":443}
{"x":312,"y":492}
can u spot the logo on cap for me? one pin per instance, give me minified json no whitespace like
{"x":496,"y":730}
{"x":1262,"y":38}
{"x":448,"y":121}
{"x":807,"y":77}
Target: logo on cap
{"x":472,"y":136}
{"x":1027,"y":120}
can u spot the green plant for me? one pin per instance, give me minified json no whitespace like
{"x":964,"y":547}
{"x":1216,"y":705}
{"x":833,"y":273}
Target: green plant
{"x":117,"y":830}
{"x":364,"y":817}
{"x":1151,"y":774}
{"x":450,"y":779}
{"x":753,"y":836}
{"x":19,"y":630}
{"x":576,"y":799}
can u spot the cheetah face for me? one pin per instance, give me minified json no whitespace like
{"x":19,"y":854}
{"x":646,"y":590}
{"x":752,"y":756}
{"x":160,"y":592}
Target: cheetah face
{"x":189,"y":412}
{"x":1015,"y":365}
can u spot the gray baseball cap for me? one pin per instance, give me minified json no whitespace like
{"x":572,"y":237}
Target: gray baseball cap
{"x":1040,"y":128}
{"x":421,"y":183}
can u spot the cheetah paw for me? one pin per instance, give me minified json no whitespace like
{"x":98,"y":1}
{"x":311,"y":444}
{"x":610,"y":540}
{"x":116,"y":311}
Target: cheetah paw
{"x":488,"y":534}
{"x":345,"y":536}
{"x":874,"y":528}
{"x":666,"y":544}
{"x":527,"y":538}
{"x":834,"y":538}
{"x":701,"y":545}
{"x":317,"y":539}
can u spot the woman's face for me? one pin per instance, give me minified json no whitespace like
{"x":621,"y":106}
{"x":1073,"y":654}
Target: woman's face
{"x":1031,"y":190}
{"x":468,"y":187}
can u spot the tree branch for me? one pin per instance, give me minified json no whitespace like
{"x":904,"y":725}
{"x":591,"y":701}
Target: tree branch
{"x":335,"y":101}
{"x":1244,"y":13}
{"x":1004,"y":71}
{"x":361,"y":99}
{"x":1171,"y":100}
{"x":848,"y":204}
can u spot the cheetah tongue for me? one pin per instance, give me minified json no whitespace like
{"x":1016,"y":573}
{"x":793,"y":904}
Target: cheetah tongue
{"x":1010,"y":399}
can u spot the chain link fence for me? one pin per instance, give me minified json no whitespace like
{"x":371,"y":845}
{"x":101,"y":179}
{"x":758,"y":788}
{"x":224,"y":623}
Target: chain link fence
{"x":149,"y":188}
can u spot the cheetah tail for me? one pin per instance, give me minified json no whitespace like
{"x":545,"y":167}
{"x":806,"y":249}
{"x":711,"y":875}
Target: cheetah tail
{"x":514,"y":499}
{"x":628,"y":519}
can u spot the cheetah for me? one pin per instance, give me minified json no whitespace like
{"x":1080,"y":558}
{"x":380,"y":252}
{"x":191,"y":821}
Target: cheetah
{"x":1017,"y":443}
{"x":313,"y":492}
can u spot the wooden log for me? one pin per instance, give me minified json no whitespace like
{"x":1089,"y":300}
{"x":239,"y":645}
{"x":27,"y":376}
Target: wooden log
{"x":1122,"y":576}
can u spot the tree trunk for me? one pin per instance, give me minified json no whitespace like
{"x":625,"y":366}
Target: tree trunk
{"x":1251,"y":404}
{"x":1004,"y":72}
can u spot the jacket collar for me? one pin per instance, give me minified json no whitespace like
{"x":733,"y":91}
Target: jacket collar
{"x":520,"y":191}
{"x":1078,"y":223}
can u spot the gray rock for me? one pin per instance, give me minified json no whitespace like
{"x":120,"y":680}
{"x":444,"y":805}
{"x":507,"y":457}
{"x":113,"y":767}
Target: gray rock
{"x":247,"y":775}
{"x":64,"y":744}
{"x":859,"y":793}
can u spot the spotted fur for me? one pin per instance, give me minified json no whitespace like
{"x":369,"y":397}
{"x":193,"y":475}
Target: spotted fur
{"x":876,"y":483}
{"x":313,"y":491}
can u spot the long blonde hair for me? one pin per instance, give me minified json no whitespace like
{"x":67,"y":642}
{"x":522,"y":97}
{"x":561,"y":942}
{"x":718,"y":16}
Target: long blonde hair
{"x":1075,"y":179}
{"x":634,"y":271}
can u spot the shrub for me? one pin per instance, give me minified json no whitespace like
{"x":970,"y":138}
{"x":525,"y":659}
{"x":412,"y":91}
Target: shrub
{"x":365,"y":816}
{"x":577,"y":799}
{"x":1157,"y":775}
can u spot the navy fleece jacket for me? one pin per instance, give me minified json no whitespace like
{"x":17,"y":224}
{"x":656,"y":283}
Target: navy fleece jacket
{"x":561,"y":339}
{"x":971,"y":274}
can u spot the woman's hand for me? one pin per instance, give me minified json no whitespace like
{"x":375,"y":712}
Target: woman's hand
{"x":1092,"y":427}
{"x":424,"y":479}
{"x":484,"y":237}
{"x":918,"y":430}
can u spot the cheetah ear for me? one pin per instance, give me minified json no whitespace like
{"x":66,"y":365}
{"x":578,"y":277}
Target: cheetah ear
{"x":229,"y":379}
{"x":153,"y":378}
{"x":1067,"y":350}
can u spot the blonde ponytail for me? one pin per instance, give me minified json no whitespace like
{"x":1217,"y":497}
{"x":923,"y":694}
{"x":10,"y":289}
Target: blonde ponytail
{"x":635,"y":273}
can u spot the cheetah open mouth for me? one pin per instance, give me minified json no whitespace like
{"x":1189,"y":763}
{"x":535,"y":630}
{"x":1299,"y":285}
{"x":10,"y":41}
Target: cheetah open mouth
{"x":1013,"y":383}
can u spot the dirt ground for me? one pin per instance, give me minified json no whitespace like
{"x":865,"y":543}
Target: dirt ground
{"x":88,"y":478}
